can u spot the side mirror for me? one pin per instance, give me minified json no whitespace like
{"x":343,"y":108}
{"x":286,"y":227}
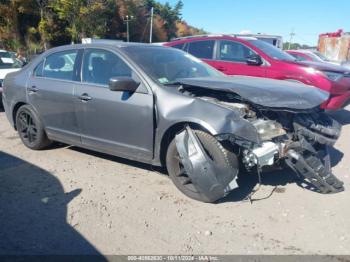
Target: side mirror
{"x":254,"y":60}
{"x":123,"y":84}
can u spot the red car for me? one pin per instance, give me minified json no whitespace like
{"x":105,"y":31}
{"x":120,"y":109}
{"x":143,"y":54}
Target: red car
{"x":237,"y":55}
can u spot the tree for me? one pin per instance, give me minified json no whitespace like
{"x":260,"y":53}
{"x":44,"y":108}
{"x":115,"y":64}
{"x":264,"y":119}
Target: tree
{"x":170,"y":15}
{"x":86,"y":18}
{"x":53,"y":29}
{"x":183,"y":29}
{"x":45,"y":23}
{"x":70,"y":11}
{"x":16,"y":17}
{"x":295,"y":46}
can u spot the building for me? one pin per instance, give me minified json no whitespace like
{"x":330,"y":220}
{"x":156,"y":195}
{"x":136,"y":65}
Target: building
{"x":335,"y":46}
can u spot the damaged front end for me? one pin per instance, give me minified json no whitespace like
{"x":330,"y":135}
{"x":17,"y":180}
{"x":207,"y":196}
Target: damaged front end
{"x":298,"y":138}
{"x":303,"y":147}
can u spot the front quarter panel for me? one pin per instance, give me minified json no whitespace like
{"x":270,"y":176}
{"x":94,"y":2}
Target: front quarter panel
{"x":173,"y":108}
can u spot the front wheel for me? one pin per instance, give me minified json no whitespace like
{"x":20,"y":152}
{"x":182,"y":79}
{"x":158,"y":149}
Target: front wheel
{"x":215,"y":150}
{"x":30,"y":129}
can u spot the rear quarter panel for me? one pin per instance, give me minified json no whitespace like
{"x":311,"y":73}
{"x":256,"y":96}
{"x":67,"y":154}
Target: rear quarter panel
{"x":14,"y":91}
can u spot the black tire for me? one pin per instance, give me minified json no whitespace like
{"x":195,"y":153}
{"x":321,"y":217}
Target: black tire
{"x":213,"y":148}
{"x":30,"y":129}
{"x":1,"y":104}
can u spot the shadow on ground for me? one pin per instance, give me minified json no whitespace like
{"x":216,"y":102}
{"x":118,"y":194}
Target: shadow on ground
{"x":33,"y":211}
{"x":120,"y":160}
{"x":246,"y":182}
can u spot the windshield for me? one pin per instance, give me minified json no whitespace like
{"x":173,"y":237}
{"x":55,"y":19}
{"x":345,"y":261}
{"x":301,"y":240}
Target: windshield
{"x":167,"y":65}
{"x":272,"y":51}
{"x":7,"y":61}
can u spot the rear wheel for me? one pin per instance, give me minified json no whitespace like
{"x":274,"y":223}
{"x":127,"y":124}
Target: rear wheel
{"x":214,"y":150}
{"x":30,"y":129}
{"x":1,"y":104}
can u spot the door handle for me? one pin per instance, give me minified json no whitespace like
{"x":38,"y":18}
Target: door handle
{"x":85,"y":97}
{"x":33,"y":89}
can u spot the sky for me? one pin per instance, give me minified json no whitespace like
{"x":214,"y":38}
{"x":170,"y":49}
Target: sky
{"x":307,"y":18}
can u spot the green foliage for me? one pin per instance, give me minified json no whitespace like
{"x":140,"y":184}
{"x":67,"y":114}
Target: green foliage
{"x":295,"y":46}
{"x":40,"y":24}
{"x":169,"y":14}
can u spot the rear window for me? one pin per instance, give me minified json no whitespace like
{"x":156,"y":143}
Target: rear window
{"x":5,"y":55}
{"x":202,"y":49}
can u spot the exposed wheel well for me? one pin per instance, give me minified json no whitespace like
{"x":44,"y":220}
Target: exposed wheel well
{"x":170,"y":134}
{"x":14,"y":112}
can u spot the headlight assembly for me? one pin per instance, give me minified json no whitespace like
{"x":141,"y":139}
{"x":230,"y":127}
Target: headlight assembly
{"x":268,"y":129}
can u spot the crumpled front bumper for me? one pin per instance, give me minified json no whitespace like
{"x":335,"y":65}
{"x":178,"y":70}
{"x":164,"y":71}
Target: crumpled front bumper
{"x":309,"y":157}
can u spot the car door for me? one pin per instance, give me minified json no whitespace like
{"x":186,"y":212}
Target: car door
{"x":232,"y":60}
{"x":50,"y":92}
{"x":115,"y":122}
{"x":203,"y":49}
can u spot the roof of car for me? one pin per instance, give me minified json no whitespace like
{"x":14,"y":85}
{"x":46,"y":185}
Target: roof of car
{"x":226,"y":36}
{"x":109,"y":44}
{"x":258,"y":35}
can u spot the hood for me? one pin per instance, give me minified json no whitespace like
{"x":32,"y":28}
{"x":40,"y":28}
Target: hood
{"x":4,"y":72}
{"x":327,"y":66}
{"x":263,"y":91}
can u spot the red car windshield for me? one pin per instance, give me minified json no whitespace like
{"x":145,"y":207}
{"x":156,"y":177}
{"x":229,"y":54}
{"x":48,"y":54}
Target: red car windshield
{"x":272,"y":51}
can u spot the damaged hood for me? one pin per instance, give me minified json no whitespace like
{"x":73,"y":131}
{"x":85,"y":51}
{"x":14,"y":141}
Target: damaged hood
{"x":263,"y":91}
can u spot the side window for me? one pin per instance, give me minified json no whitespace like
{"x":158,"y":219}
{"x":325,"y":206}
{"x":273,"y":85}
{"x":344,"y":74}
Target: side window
{"x":202,"y":49}
{"x":234,"y":51}
{"x":38,"y":71}
{"x":179,"y":46}
{"x":100,"y":65}
{"x":60,"y":65}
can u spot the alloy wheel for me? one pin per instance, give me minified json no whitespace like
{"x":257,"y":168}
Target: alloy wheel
{"x":27,"y":127}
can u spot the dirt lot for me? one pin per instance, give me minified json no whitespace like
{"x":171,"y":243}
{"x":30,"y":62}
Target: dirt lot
{"x":69,"y":200}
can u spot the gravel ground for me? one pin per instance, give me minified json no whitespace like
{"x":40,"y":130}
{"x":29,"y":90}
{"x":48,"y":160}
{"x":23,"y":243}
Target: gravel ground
{"x":70,"y":200}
